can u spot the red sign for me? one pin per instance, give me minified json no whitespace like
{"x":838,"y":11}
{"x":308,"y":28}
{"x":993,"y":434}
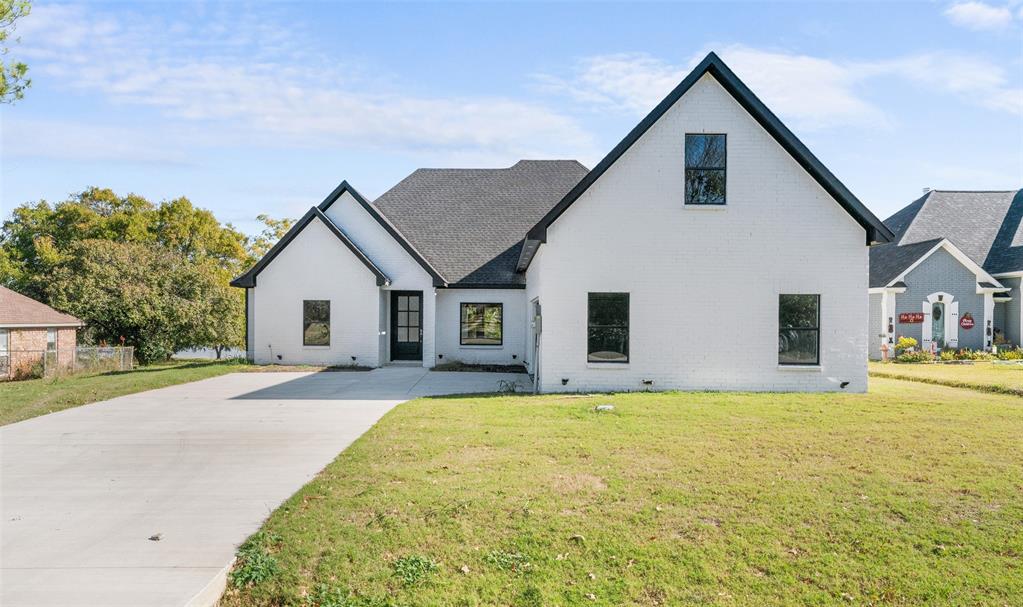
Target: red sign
{"x":911,"y":317}
{"x":966,"y":321}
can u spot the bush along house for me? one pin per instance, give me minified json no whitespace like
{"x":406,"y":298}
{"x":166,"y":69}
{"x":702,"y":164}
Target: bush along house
{"x":951,"y":278}
{"x":33,"y":335}
{"x":604,"y":279}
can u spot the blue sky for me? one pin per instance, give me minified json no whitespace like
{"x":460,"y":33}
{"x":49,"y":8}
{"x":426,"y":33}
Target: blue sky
{"x":250,"y":108}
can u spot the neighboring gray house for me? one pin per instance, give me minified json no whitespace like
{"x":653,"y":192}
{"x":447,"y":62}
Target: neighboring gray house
{"x":952,"y":276}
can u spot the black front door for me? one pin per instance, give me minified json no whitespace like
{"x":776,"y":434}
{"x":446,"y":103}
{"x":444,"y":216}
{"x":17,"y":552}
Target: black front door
{"x":406,"y":325}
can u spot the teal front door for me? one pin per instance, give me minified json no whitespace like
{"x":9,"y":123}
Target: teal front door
{"x":938,"y":324}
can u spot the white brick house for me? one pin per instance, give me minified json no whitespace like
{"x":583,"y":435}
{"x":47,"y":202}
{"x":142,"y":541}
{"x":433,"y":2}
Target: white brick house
{"x":709,"y":250}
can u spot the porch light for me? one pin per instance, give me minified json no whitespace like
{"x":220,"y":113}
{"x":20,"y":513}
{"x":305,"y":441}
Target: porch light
{"x":564,"y":381}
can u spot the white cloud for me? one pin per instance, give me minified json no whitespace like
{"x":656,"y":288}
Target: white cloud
{"x":979,"y":16}
{"x":250,"y":83}
{"x":812,"y":93}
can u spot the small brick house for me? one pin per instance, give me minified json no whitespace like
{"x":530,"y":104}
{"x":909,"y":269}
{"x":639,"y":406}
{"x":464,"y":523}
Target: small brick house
{"x":33,"y":333}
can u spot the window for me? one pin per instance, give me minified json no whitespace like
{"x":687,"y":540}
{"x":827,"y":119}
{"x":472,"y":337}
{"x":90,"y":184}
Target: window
{"x":608,"y":328}
{"x":5,"y":342}
{"x":799,"y":329}
{"x":51,"y":340}
{"x":482,"y":324}
{"x":705,"y":169}
{"x":316,"y":322}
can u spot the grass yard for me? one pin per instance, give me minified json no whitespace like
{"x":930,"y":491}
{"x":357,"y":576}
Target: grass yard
{"x":910,"y":495}
{"x":21,"y":400}
{"x":988,"y":376}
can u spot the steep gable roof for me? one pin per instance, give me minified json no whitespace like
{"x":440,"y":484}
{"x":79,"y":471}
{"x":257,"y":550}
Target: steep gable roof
{"x":20,"y":310}
{"x":248,"y":279}
{"x":469,"y":223}
{"x":438,"y":280}
{"x":713,"y":65}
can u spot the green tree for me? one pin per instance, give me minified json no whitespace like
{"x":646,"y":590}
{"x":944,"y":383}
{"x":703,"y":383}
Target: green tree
{"x":38,"y":235}
{"x":13,"y":74}
{"x":273,"y":230}
{"x":154,"y":297}
{"x":43,"y":245}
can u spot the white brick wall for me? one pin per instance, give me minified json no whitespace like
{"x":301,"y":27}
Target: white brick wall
{"x":405,"y":272}
{"x":315,"y":265}
{"x":449,"y":326}
{"x":704,"y":283}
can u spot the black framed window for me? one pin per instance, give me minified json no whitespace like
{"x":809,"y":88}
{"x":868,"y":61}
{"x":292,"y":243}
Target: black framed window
{"x":607,"y":330}
{"x":316,"y":322}
{"x":706,"y":157}
{"x":799,"y":330}
{"x":482,"y":324}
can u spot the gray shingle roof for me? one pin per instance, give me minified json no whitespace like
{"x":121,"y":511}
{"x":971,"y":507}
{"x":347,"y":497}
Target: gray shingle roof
{"x":985,"y":226}
{"x":889,"y":260}
{"x":469,"y":223}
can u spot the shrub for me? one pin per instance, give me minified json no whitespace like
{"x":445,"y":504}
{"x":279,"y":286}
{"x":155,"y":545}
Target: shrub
{"x":965,"y":354}
{"x":947,"y":355}
{"x":916,"y":356}
{"x":1013,"y":354}
{"x":905,"y":343}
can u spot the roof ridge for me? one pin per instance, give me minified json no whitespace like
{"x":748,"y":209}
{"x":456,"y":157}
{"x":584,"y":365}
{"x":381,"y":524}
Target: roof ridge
{"x":507,"y":168}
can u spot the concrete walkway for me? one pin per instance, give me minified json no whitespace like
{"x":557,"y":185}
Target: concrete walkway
{"x":199,"y":466}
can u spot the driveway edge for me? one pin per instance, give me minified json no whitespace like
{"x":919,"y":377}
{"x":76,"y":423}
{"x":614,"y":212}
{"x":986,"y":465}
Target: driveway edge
{"x":210,"y":595}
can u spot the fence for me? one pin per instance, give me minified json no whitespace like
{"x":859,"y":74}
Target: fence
{"x":27,"y":364}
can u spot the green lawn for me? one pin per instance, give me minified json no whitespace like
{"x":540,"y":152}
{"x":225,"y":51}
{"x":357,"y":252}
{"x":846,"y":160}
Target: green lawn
{"x":989,"y":376}
{"x":24,"y":399}
{"x":909,"y":495}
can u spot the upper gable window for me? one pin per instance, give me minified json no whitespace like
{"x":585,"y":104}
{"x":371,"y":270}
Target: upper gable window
{"x":705,"y":169}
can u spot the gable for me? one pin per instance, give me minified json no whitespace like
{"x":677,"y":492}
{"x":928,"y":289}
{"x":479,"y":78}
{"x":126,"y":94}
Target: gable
{"x":248,"y":280}
{"x":374,"y":232}
{"x":900,"y":262}
{"x":941,"y":271}
{"x":712,"y":65}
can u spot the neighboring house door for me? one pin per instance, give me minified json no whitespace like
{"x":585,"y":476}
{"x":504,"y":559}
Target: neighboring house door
{"x":938,"y":323}
{"x":406,"y":325}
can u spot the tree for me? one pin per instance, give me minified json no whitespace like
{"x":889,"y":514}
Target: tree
{"x":175,"y":295}
{"x":38,"y":235}
{"x":13,"y":74}
{"x":273,"y":230}
{"x":151,"y":295}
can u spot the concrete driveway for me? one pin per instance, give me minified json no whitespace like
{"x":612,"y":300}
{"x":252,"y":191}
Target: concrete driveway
{"x":199,"y":466}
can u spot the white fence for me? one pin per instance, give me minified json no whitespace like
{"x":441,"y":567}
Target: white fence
{"x":28,"y":364}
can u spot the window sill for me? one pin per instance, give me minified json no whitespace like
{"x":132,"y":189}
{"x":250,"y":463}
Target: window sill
{"x":805,"y":368}
{"x":315,"y":347}
{"x":614,"y":366}
{"x":705,"y":207}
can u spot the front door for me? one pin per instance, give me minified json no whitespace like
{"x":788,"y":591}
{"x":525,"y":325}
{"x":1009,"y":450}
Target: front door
{"x":938,"y":324}
{"x":406,"y":325}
